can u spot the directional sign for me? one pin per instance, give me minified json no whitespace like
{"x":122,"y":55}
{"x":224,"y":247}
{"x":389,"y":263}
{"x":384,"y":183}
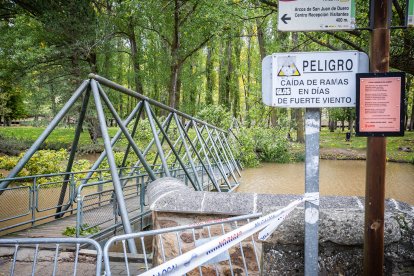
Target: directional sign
{"x":410,"y":18}
{"x":316,"y":15}
{"x":314,"y":79}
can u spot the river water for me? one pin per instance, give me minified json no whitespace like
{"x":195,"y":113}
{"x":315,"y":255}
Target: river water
{"x":345,"y":178}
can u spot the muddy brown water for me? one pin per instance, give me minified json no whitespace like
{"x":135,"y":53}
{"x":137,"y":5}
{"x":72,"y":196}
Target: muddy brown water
{"x":344,"y":178}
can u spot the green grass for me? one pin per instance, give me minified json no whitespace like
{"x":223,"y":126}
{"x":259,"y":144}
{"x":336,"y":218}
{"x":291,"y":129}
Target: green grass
{"x":63,"y":135}
{"x":336,"y":140}
{"x":17,"y":139}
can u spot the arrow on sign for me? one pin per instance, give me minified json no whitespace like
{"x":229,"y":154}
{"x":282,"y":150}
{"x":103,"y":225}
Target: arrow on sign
{"x":285,"y":18}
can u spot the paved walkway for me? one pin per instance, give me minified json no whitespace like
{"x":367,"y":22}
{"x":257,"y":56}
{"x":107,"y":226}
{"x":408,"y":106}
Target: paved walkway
{"x":66,"y":262}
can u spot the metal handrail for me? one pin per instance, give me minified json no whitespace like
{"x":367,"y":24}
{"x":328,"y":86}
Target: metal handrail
{"x":33,"y":191}
{"x":80,"y":199}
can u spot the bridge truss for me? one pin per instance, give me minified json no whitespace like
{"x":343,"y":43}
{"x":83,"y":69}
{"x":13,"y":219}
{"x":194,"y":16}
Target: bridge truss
{"x":184,"y":147}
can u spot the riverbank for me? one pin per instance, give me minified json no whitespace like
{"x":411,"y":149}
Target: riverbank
{"x":352,"y":154}
{"x":402,"y":154}
{"x":333,"y":145}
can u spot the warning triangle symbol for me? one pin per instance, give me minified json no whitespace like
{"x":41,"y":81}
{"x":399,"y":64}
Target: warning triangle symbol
{"x":288,"y":70}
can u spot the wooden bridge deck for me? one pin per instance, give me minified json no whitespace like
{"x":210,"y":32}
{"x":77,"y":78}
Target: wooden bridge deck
{"x":55,"y":228}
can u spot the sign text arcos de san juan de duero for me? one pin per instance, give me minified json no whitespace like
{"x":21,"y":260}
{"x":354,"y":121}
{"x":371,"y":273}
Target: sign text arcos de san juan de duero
{"x":314,"y":79}
{"x":316,"y":15}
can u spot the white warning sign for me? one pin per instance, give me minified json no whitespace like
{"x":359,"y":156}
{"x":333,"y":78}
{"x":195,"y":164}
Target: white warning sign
{"x":315,"y":79}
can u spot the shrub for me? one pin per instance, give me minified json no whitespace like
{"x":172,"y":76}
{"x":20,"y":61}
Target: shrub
{"x":70,"y":231}
{"x":216,"y":115}
{"x":45,"y":162}
{"x":89,"y":148}
{"x":263,"y":144}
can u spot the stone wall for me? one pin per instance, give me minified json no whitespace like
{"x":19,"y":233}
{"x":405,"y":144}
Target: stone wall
{"x":340,"y":231}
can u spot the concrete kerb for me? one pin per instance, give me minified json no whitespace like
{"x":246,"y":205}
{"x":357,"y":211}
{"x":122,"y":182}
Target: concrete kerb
{"x":169,"y":194}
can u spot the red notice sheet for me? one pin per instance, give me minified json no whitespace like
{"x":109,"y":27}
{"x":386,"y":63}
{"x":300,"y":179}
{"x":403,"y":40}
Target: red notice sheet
{"x":380,"y":104}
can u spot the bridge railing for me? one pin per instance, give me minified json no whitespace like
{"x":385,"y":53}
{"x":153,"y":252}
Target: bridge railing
{"x":34,"y":199}
{"x":98,"y":194}
{"x":33,"y":256}
{"x":31,"y":199}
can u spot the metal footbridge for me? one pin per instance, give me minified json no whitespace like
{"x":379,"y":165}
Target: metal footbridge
{"x":108,"y":198}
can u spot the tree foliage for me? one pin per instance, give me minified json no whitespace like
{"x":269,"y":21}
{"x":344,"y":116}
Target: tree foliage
{"x":189,"y":54}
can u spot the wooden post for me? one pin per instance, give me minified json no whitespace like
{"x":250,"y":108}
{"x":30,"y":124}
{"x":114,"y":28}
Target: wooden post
{"x":376,"y":149}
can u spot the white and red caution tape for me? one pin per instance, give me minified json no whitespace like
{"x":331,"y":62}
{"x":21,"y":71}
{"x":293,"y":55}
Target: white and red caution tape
{"x":198,"y":256}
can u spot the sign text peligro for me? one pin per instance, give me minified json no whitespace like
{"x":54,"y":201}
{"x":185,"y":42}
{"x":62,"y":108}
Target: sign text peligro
{"x":315,"y":79}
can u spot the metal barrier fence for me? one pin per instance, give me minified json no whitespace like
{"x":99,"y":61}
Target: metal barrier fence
{"x":34,"y":256}
{"x":175,"y":241}
{"x":220,"y":246}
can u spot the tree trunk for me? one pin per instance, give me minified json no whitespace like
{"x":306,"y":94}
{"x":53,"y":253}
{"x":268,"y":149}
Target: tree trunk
{"x":229,"y":73}
{"x":174,"y":86}
{"x":236,"y":86}
{"x":299,"y":125}
{"x":222,"y":74}
{"x":247,"y":88}
{"x":350,"y":120}
{"x":53,"y":99}
{"x":135,"y":59}
{"x":175,"y":67}
{"x":209,"y":75}
{"x":192,"y":107}
{"x":120,"y":77}
{"x":407,"y":89}
{"x":331,"y":125}
{"x":411,"y":127}
{"x":260,"y":40}
{"x":94,"y":129}
{"x":92,"y":59}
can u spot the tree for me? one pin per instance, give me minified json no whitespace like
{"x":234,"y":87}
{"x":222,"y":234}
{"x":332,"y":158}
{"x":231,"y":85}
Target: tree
{"x":185,"y":26}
